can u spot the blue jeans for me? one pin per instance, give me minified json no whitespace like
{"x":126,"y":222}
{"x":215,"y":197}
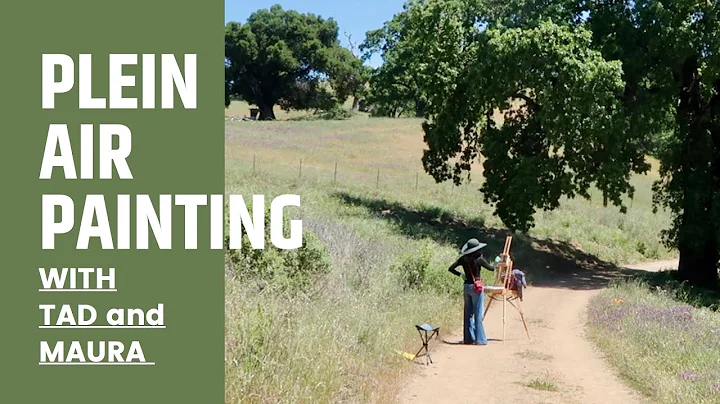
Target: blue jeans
{"x":474,"y":331}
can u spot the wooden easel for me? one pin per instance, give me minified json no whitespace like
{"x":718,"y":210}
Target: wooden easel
{"x":501,"y":290}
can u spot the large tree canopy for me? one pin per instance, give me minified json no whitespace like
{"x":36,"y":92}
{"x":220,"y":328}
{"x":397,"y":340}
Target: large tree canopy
{"x":282,"y":57}
{"x":592,"y":81}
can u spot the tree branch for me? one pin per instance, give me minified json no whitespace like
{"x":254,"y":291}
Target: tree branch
{"x":351,"y":45}
{"x":528,"y":100}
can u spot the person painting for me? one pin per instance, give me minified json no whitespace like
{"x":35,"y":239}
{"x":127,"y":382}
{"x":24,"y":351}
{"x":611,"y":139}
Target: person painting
{"x":472,"y":260}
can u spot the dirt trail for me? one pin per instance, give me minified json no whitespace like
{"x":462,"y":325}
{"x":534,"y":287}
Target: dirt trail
{"x":558,"y":351}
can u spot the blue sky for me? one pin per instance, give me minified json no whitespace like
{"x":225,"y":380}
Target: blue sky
{"x":353,"y":16}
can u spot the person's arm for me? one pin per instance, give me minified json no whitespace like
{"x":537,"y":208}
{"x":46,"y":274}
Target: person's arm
{"x":452,"y":267}
{"x":481,"y":261}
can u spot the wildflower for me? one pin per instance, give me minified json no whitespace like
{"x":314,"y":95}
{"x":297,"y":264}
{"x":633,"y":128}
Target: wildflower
{"x":689,"y":375}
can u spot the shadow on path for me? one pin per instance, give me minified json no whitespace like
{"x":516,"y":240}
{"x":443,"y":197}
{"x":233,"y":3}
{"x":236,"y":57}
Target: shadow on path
{"x":546,"y":263}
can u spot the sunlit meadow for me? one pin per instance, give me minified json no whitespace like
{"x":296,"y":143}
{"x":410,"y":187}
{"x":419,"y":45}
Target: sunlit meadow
{"x":364,"y":193}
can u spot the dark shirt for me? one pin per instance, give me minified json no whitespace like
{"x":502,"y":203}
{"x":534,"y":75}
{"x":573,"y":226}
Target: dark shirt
{"x":471,"y":266}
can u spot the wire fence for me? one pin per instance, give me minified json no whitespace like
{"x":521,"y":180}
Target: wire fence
{"x":379,"y":176}
{"x":337,"y":174}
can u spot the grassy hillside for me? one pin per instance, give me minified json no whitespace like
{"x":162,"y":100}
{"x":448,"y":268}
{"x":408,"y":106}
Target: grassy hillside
{"x":380,"y":216}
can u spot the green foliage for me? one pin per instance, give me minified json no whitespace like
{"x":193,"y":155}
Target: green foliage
{"x":308,"y":95}
{"x":566,"y":133}
{"x":668,"y":283}
{"x":413,"y":266}
{"x":291,"y":270}
{"x":336,"y":113}
{"x":587,"y":89}
{"x":303,"y":265}
{"x":422,"y":269}
{"x":541,"y":384}
{"x":282,"y":57}
{"x":348,"y":75}
{"x":394,"y":87}
{"x":671,"y":57}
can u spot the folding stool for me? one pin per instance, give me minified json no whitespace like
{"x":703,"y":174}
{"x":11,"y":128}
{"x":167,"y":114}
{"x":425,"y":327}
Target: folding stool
{"x":423,"y":330}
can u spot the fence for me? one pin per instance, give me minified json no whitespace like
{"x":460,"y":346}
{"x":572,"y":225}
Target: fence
{"x":379,"y":176}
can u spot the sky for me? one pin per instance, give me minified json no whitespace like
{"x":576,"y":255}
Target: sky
{"x":354,"y":17}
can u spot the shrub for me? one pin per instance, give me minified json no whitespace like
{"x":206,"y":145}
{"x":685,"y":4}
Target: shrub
{"x":302,"y":266}
{"x":412,"y":267}
{"x":291,"y":270}
{"x":439,"y":280}
{"x":337,"y":112}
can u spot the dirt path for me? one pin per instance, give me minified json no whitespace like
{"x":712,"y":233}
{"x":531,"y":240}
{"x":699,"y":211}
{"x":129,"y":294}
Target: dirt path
{"x":558,"y":352}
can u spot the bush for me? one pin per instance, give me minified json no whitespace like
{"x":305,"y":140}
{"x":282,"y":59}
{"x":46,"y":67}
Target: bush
{"x":439,"y":280}
{"x":412,"y":267}
{"x":337,"y":112}
{"x":423,"y":269}
{"x":290,"y":270}
{"x":302,"y":266}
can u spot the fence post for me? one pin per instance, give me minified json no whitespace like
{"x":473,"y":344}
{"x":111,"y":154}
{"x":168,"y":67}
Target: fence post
{"x":253,"y":171}
{"x":416,"y":181}
{"x":335,"y":174}
{"x":377,"y":181}
{"x":300,"y":172}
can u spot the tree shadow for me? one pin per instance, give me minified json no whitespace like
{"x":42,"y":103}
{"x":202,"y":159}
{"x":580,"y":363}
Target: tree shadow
{"x":460,"y":342}
{"x":681,"y":291}
{"x":546,"y":263}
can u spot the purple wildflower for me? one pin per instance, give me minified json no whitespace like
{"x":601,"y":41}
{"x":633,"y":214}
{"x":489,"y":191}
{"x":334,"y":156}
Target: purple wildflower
{"x":689,"y":375}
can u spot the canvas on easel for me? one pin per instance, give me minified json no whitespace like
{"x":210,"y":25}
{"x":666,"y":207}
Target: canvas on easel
{"x":502,"y":289}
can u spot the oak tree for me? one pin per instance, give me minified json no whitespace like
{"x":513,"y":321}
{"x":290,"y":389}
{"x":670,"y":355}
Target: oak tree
{"x":282,"y":57}
{"x":585,"y":85}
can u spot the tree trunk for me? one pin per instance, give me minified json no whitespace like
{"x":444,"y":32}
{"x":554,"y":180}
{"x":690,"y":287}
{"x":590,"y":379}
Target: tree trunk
{"x":267,"y":112}
{"x":420,"y":106}
{"x":228,"y":100}
{"x":356,"y":103}
{"x":698,"y":265}
{"x":697,"y":235}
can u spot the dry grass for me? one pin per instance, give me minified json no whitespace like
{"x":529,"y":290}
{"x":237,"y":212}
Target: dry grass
{"x":534,"y":355}
{"x":337,"y":346}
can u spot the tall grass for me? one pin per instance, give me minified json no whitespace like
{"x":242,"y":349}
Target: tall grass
{"x":336,"y":343}
{"x":668,"y":350}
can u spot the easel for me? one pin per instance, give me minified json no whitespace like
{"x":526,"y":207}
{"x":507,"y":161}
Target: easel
{"x":502,"y":291}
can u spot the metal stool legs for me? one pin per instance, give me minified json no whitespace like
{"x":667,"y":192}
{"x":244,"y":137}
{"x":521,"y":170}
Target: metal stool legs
{"x":423,"y":331}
